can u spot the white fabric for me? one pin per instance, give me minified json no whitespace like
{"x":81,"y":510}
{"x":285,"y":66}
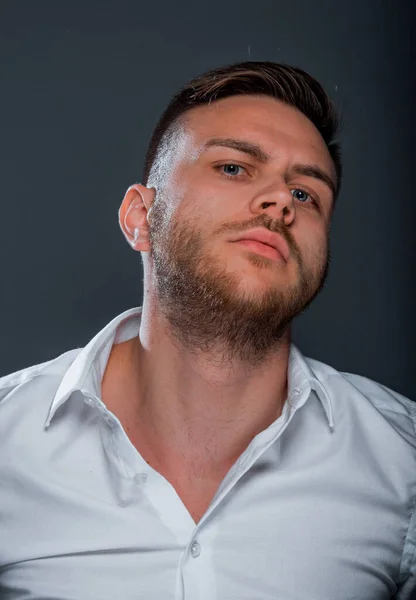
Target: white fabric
{"x":320,"y":506}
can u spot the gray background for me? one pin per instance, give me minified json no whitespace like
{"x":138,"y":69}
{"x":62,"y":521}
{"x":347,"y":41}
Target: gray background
{"x":82,"y":85}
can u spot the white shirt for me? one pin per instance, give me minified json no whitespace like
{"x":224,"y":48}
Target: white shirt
{"x":320,"y":506}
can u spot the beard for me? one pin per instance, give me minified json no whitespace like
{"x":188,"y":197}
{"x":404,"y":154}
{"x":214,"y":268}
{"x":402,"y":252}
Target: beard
{"x":202,"y":303}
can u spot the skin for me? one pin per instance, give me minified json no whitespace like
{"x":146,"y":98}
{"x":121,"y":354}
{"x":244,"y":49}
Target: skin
{"x":208,"y":370}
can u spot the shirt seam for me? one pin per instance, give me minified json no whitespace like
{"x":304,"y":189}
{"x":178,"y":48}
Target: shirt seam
{"x":404,"y":571}
{"x":407,"y":541}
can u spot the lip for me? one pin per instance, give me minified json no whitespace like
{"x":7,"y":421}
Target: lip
{"x":260,"y":248}
{"x":268,"y":238}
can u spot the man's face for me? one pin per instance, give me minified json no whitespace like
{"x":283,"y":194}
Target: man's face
{"x":217,"y":293}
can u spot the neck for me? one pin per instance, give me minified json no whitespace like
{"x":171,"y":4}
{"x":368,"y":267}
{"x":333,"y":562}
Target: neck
{"x":185,"y":406}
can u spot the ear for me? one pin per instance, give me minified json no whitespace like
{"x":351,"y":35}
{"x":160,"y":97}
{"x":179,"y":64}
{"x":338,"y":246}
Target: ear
{"x":132,"y":216}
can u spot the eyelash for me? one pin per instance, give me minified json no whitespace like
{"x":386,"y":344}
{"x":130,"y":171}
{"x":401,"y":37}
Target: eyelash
{"x":218,"y":167}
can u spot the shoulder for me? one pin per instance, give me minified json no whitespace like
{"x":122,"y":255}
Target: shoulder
{"x":42,"y":377}
{"x":398,"y":410}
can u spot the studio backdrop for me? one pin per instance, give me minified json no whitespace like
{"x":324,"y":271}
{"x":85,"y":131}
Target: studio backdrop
{"x":82,"y":86}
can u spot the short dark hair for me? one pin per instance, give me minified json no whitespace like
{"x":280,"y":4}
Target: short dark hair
{"x":288,"y":84}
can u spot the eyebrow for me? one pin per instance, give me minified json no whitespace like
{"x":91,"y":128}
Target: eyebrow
{"x":259,"y":154}
{"x":241,"y":145}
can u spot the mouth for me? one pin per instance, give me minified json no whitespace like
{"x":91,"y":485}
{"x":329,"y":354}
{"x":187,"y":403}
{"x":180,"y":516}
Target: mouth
{"x":261,"y":248}
{"x":264,"y":242}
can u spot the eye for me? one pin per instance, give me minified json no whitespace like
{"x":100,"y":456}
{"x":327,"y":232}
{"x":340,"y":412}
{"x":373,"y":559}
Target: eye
{"x":231,"y":170}
{"x":302,"y":195}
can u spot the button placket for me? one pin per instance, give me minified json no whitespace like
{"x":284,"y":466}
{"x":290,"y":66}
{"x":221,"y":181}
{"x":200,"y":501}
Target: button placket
{"x":108,"y":419}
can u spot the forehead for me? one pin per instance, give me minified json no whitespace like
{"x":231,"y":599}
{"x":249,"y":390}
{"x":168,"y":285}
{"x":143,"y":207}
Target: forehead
{"x":272,"y":124}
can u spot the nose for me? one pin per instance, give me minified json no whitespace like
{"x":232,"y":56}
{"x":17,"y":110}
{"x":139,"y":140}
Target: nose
{"x":278,"y":201}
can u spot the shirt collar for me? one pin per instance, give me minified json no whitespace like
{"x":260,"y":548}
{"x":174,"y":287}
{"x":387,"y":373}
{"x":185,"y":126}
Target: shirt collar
{"x":86,"y":371}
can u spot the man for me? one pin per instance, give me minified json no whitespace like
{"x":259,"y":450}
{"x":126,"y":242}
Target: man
{"x":190,"y":450}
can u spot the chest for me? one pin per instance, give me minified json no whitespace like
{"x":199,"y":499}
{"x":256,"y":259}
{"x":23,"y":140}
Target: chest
{"x":194,"y":481}
{"x":196,"y":497}
{"x":269,"y":537}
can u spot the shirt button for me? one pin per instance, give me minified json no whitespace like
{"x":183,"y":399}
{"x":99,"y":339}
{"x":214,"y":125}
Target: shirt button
{"x":140,"y":478}
{"x":195,"y":549}
{"x":89,"y":401}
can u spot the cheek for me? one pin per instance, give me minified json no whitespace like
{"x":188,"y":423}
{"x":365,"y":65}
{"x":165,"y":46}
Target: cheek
{"x":204,"y":206}
{"x":315,"y":246}
{"x":213,"y":199}
{"x":193,"y":216}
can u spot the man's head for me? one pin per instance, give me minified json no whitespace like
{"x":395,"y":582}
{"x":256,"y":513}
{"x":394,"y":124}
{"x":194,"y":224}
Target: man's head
{"x":288,"y":84}
{"x":241,"y":147}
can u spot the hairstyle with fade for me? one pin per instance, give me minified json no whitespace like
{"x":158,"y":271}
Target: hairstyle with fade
{"x":290,"y":85}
